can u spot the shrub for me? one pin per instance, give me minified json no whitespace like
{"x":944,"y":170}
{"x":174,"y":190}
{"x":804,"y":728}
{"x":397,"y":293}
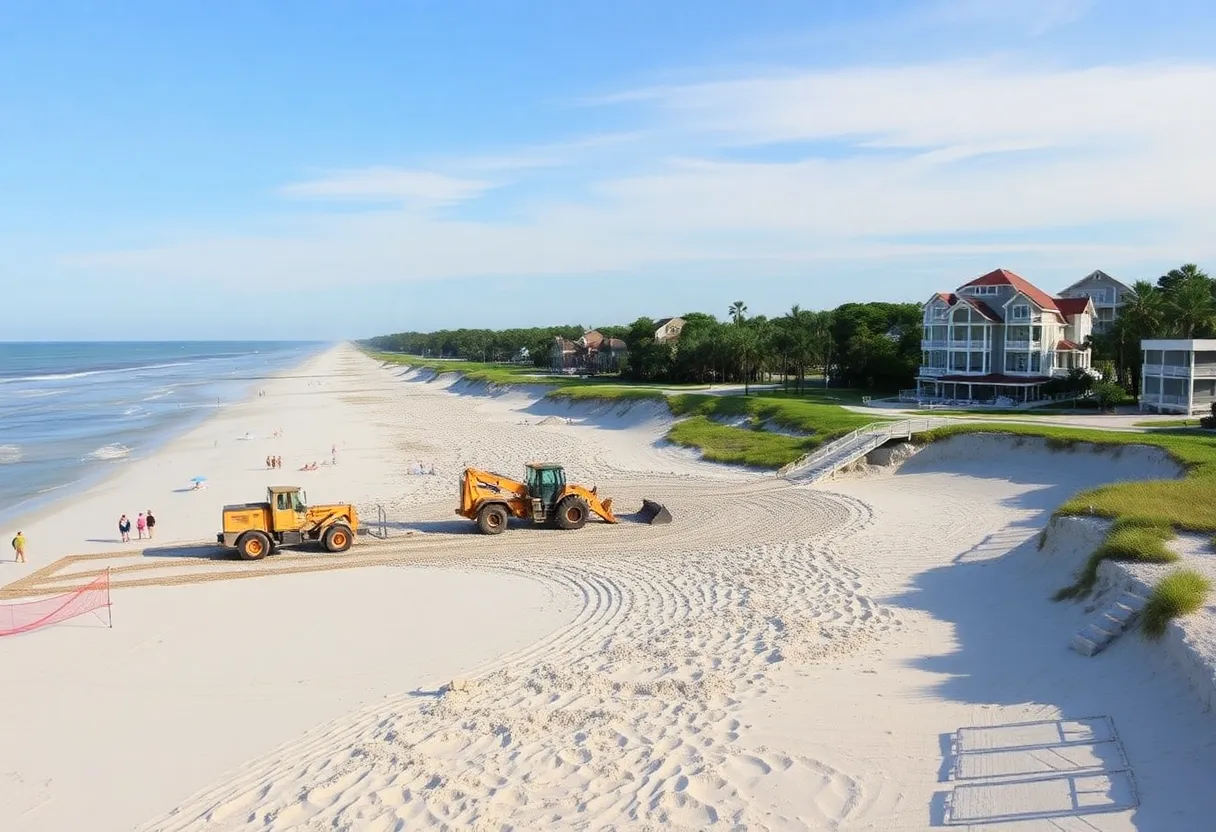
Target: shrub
{"x":1129,"y":539}
{"x":1209,"y":422}
{"x":1179,"y":593}
{"x":1108,"y":394}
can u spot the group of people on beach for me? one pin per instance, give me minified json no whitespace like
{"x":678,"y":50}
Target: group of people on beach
{"x":274,"y":462}
{"x":145,"y":522}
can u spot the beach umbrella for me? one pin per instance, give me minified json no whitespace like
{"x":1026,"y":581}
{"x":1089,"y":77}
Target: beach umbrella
{"x":199,"y":479}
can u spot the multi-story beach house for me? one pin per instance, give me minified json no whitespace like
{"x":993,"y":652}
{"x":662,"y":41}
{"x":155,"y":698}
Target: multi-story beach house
{"x":590,"y":353}
{"x":1001,"y":337}
{"x":1178,"y":375}
{"x":1108,"y":295}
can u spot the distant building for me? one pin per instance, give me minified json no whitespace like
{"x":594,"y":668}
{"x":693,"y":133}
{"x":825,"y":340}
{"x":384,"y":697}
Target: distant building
{"x":667,"y":330}
{"x":1178,"y":375}
{"x":592,"y":353}
{"x":1000,"y":336}
{"x":1108,"y":295}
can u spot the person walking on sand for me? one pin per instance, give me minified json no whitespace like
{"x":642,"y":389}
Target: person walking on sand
{"x":278,"y":462}
{"x":140,"y":525}
{"x":19,"y":547}
{"x":124,"y":528}
{"x":151,"y":521}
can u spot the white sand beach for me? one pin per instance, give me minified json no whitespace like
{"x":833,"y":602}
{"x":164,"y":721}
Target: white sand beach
{"x":779,"y":657}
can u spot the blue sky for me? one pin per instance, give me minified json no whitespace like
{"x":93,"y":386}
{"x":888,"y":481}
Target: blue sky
{"x":237,"y":170}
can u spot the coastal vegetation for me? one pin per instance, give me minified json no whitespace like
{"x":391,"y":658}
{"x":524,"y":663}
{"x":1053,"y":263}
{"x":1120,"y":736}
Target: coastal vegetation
{"x":1179,"y":593}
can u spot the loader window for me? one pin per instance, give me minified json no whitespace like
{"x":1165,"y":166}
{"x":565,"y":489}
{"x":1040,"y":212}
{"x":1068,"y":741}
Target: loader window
{"x":284,"y":501}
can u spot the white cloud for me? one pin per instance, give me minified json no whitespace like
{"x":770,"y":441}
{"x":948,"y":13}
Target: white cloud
{"x":952,"y":151}
{"x":383,"y":184}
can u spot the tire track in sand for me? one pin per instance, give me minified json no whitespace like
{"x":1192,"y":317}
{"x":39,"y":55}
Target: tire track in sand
{"x":624,"y":715}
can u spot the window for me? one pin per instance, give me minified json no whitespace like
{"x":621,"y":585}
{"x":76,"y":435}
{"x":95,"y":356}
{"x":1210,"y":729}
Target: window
{"x":940,"y":311}
{"x":1021,"y":312}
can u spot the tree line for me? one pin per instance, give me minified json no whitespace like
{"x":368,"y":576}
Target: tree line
{"x":872,"y":345}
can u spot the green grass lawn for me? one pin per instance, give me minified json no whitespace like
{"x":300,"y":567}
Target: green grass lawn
{"x":1169,"y":423}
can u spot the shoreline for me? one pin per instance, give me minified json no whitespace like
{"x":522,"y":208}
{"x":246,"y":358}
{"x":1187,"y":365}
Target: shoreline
{"x":31,"y":508}
{"x":103,"y":479}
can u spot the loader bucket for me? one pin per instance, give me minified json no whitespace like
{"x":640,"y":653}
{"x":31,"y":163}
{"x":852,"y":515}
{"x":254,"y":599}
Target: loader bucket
{"x":656,"y":514}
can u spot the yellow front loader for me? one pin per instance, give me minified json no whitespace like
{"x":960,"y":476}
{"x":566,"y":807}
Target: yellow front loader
{"x":285,"y":519}
{"x":544,"y":498}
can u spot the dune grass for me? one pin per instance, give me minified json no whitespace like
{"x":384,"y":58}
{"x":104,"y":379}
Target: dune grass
{"x":739,"y":446}
{"x":1129,"y":540}
{"x":1179,"y":593}
{"x":822,"y":420}
{"x":607,"y":393}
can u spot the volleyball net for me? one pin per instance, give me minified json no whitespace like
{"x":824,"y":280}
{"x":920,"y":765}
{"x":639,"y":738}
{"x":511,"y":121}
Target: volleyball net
{"x":25,"y":616}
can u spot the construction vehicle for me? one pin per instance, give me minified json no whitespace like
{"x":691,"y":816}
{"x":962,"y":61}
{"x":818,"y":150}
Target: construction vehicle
{"x":285,"y":519}
{"x":544,"y":498}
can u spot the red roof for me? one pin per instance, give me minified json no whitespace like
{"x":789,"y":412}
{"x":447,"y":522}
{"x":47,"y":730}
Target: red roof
{"x":1069,"y":346}
{"x":1004,"y":277}
{"x":1072,"y":306}
{"x":948,"y":297}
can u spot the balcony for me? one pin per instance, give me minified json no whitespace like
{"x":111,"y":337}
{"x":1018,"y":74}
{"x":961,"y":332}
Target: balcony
{"x":926,"y":344}
{"x":1170,"y":370}
{"x":1023,"y":345}
{"x":967,"y":345}
{"x":933,"y":372}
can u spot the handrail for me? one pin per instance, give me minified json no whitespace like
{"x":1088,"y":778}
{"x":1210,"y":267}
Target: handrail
{"x":900,"y":427}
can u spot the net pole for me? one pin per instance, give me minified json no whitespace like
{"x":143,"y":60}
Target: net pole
{"x":109,"y":606}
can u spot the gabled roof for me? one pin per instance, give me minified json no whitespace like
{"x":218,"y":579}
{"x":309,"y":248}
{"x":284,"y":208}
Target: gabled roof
{"x":614,"y":343}
{"x":1069,"y":346}
{"x":662,"y":322}
{"x":1073,"y":306}
{"x":1004,"y":277}
{"x":1096,"y":274}
{"x":984,"y":309}
{"x":948,"y":297}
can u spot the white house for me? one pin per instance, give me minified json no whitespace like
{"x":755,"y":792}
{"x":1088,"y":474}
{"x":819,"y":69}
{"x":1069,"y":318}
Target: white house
{"x":1108,"y":295}
{"x":1000,"y":336}
{"x":1178,"y":375}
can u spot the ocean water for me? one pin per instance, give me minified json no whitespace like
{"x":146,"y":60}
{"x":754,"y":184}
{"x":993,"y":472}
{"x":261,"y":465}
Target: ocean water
{"x":72,"y":412}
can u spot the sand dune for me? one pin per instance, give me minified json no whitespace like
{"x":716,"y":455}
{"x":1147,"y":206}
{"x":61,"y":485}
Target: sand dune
{"x":780,"y":657}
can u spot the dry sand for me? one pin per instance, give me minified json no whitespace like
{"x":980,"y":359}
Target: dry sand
{"x":780,"y":657}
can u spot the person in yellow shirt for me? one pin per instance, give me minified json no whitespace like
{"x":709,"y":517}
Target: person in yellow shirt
{"x":19,"y":547}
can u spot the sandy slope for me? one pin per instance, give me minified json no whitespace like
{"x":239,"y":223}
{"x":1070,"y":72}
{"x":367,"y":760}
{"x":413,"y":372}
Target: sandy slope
{"x":780,"y":657}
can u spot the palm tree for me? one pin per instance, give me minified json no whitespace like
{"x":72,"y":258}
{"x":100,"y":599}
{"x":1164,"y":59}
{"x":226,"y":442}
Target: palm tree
{"x":1170,"y":281}
{"x":738,"y":311}
{"x":1190,"y":307}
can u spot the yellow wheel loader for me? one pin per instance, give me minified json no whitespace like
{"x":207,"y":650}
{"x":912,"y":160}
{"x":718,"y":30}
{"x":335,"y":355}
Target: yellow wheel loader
{"x":544,"y":498}
{"x":285,"y":519}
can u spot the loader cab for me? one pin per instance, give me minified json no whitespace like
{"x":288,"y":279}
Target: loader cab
{"x":546,"y":481}
{"x":288,"y":507}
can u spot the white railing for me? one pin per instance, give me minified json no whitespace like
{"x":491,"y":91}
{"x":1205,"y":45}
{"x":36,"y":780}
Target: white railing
{"x":967,"y":345}
{"x":926,"y":344}
{"x":934,"y":371}
{"x":1172,"y":399}
{"x":1172,"y":370}
{"x":1022,"y":345}
{"x":884,"y":430}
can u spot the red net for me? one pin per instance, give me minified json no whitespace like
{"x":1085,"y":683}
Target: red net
{"x":31,"y":615}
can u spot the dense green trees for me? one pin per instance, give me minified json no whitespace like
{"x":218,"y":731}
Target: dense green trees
{"x":1182,"y":304}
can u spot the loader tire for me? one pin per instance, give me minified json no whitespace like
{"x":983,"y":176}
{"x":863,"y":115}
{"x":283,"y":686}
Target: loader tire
{"x":253,"y":546}
{"x":571,"y":513}
{"x":492,"y":519}
{"x":337,"y":538}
